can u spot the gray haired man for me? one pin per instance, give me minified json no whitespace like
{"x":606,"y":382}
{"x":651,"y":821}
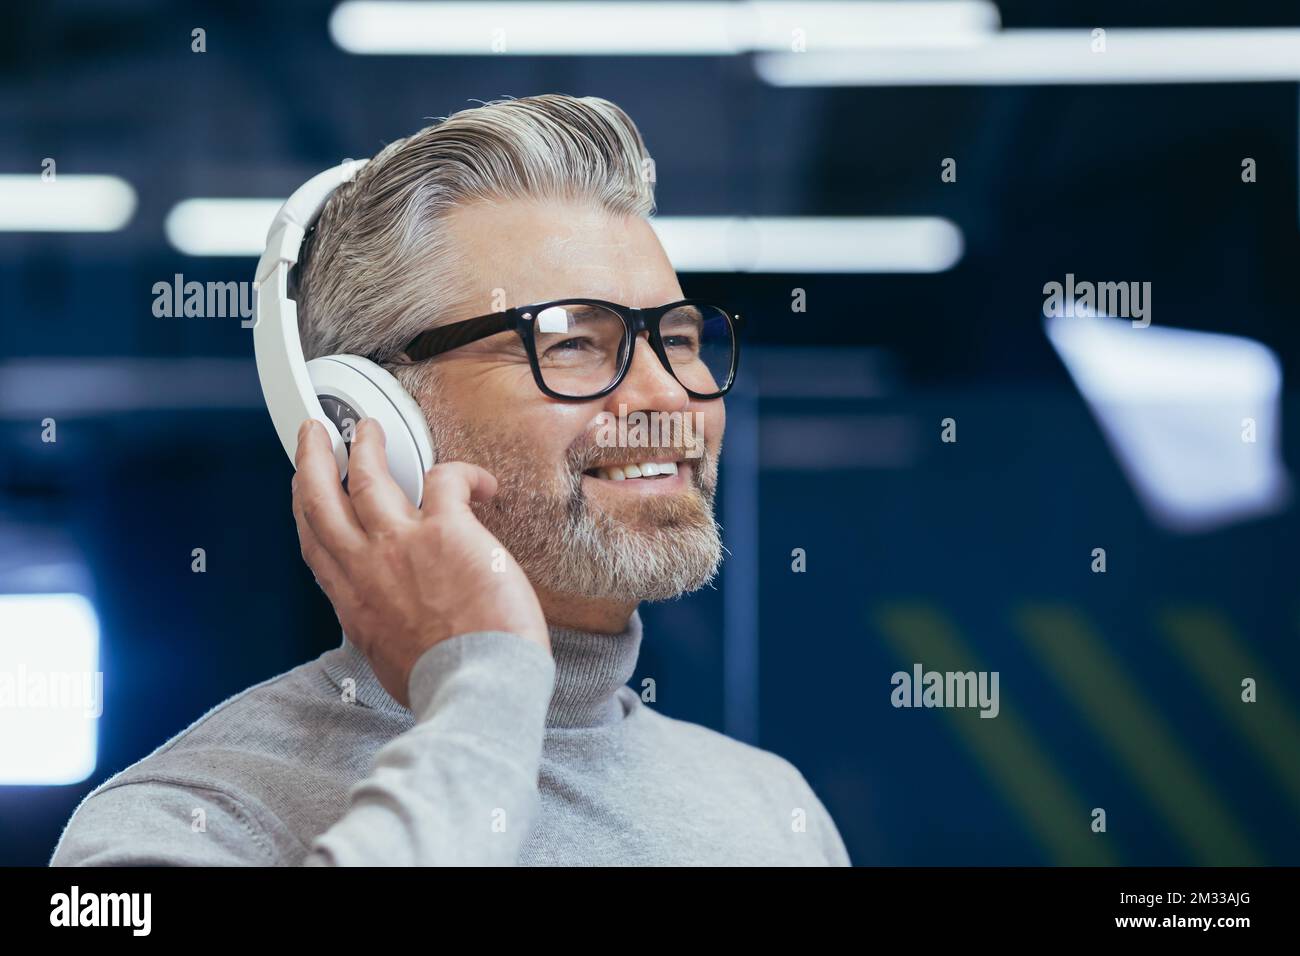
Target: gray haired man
{"x":477,"y":710}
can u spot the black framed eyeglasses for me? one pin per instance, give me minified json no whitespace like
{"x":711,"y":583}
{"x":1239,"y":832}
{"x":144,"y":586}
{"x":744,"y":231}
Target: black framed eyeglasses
{"x":581,"y":349}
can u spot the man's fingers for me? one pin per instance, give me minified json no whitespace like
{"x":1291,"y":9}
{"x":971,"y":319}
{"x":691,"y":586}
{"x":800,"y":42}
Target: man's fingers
{"x":456,"y":484}
{"x":327,"y":571}
{"x":318,"y":494}
{"x":378,"y":501}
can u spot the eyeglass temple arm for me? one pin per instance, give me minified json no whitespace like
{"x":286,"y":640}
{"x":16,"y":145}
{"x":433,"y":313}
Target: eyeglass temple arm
{"x":448,"y":337}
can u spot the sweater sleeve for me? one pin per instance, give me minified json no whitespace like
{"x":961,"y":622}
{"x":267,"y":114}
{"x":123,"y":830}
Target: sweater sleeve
{"x":162,"y":823}
{"x":458,"y":788}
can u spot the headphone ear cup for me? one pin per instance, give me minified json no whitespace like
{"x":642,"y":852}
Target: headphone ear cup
{"x":351,"y":388}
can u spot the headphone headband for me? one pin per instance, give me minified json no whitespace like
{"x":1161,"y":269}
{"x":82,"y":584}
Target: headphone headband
{"x":281,"y":367}
{"x":298,"y":214}
{"x":353,"y":387}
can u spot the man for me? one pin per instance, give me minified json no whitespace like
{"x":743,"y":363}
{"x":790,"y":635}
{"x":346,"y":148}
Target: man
{"x":477,"y":710}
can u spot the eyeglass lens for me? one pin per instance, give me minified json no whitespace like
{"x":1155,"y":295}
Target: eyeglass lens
{"x":580,"y":347}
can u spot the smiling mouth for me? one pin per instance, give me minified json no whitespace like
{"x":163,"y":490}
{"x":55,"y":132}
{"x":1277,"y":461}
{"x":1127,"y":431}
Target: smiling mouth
{"x":638,"y":471}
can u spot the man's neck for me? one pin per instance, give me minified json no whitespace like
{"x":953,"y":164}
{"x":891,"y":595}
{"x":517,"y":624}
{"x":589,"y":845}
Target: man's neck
{"x":593,"y":615}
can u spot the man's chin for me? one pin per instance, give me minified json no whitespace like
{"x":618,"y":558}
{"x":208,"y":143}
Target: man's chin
{"x":656,"y":548}
{"x":639,"y":548}
{"x":646,"y":505}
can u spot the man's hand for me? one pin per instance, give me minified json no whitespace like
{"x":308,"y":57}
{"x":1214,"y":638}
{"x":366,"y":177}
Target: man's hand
{"x":402,"y":579}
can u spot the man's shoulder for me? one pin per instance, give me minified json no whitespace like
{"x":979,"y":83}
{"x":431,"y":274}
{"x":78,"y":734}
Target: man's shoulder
{"x":711,"y":748}
{"x":762,"y":780}
{"x":285,"y":748}
{"x":294,"y":722}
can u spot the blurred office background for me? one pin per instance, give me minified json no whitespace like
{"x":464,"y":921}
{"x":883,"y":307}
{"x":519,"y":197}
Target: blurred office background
{"x":883,"y":301}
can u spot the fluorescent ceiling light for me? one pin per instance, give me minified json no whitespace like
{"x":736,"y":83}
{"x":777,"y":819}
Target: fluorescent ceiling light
{"x":864,"y":25}
{"x":50,"y":688}
{"x":238,"y":227}
{"x":1057,"y":56}
{"x":1173,"y":405}
{"x":66,"y":203}
{"x":848,"y":244}
{"x":659,"y":28}
{"x":221,"y":227}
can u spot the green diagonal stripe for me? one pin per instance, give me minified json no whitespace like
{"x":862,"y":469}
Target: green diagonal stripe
{"x":1102,"y":690}
{"x":1003,"y":747}
{"x":1205,"y":641}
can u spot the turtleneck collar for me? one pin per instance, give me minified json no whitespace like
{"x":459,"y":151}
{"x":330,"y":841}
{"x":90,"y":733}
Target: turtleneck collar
{"x":589,"y":670}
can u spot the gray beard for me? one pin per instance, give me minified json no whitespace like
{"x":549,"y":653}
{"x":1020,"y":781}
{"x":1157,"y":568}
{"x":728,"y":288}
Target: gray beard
{"x":671,"y":545}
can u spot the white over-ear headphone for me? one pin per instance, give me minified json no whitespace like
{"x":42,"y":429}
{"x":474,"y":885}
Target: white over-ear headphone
{"x":336,"y":390}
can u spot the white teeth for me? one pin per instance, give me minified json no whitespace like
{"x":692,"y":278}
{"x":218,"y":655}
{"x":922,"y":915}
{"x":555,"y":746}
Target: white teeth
{"x":647,"y":469}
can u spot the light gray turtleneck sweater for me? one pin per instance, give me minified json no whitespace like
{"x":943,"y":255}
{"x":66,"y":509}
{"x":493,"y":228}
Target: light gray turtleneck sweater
{"x":507,"y":755}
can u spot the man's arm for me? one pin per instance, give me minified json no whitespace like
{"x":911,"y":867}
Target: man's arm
{"x":458,"y":788}
{"x":461,"y":786}
{"x":160,"y":823}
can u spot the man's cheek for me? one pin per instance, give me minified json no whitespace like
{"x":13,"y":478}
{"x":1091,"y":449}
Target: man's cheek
{"x":714,"y":423}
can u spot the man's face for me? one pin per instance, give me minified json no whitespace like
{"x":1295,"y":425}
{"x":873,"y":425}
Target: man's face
{"x":574,"y":530}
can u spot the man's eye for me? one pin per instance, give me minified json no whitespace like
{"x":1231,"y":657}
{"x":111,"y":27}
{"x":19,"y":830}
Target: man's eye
{"x":680,"y":342}
{"x":569,"y":346}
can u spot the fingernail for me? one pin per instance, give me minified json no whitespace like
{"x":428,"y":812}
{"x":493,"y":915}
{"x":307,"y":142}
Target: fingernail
{"x":303,"y":429}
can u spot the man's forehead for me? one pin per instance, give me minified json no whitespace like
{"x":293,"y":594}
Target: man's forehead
{"x":610,"y":267}
{"x":535,"y":252}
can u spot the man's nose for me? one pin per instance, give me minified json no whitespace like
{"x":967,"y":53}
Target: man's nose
{"x":648,"y":385}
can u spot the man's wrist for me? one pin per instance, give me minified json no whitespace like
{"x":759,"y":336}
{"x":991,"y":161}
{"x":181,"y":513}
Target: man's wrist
{"x":485,"y":682}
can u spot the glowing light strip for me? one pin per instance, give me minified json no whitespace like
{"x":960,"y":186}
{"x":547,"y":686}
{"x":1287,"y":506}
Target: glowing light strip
{"x":662,"y":28}
{"x":1057,"y":56}
{"x":65,"y":203}
{"x":850,"y":244}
